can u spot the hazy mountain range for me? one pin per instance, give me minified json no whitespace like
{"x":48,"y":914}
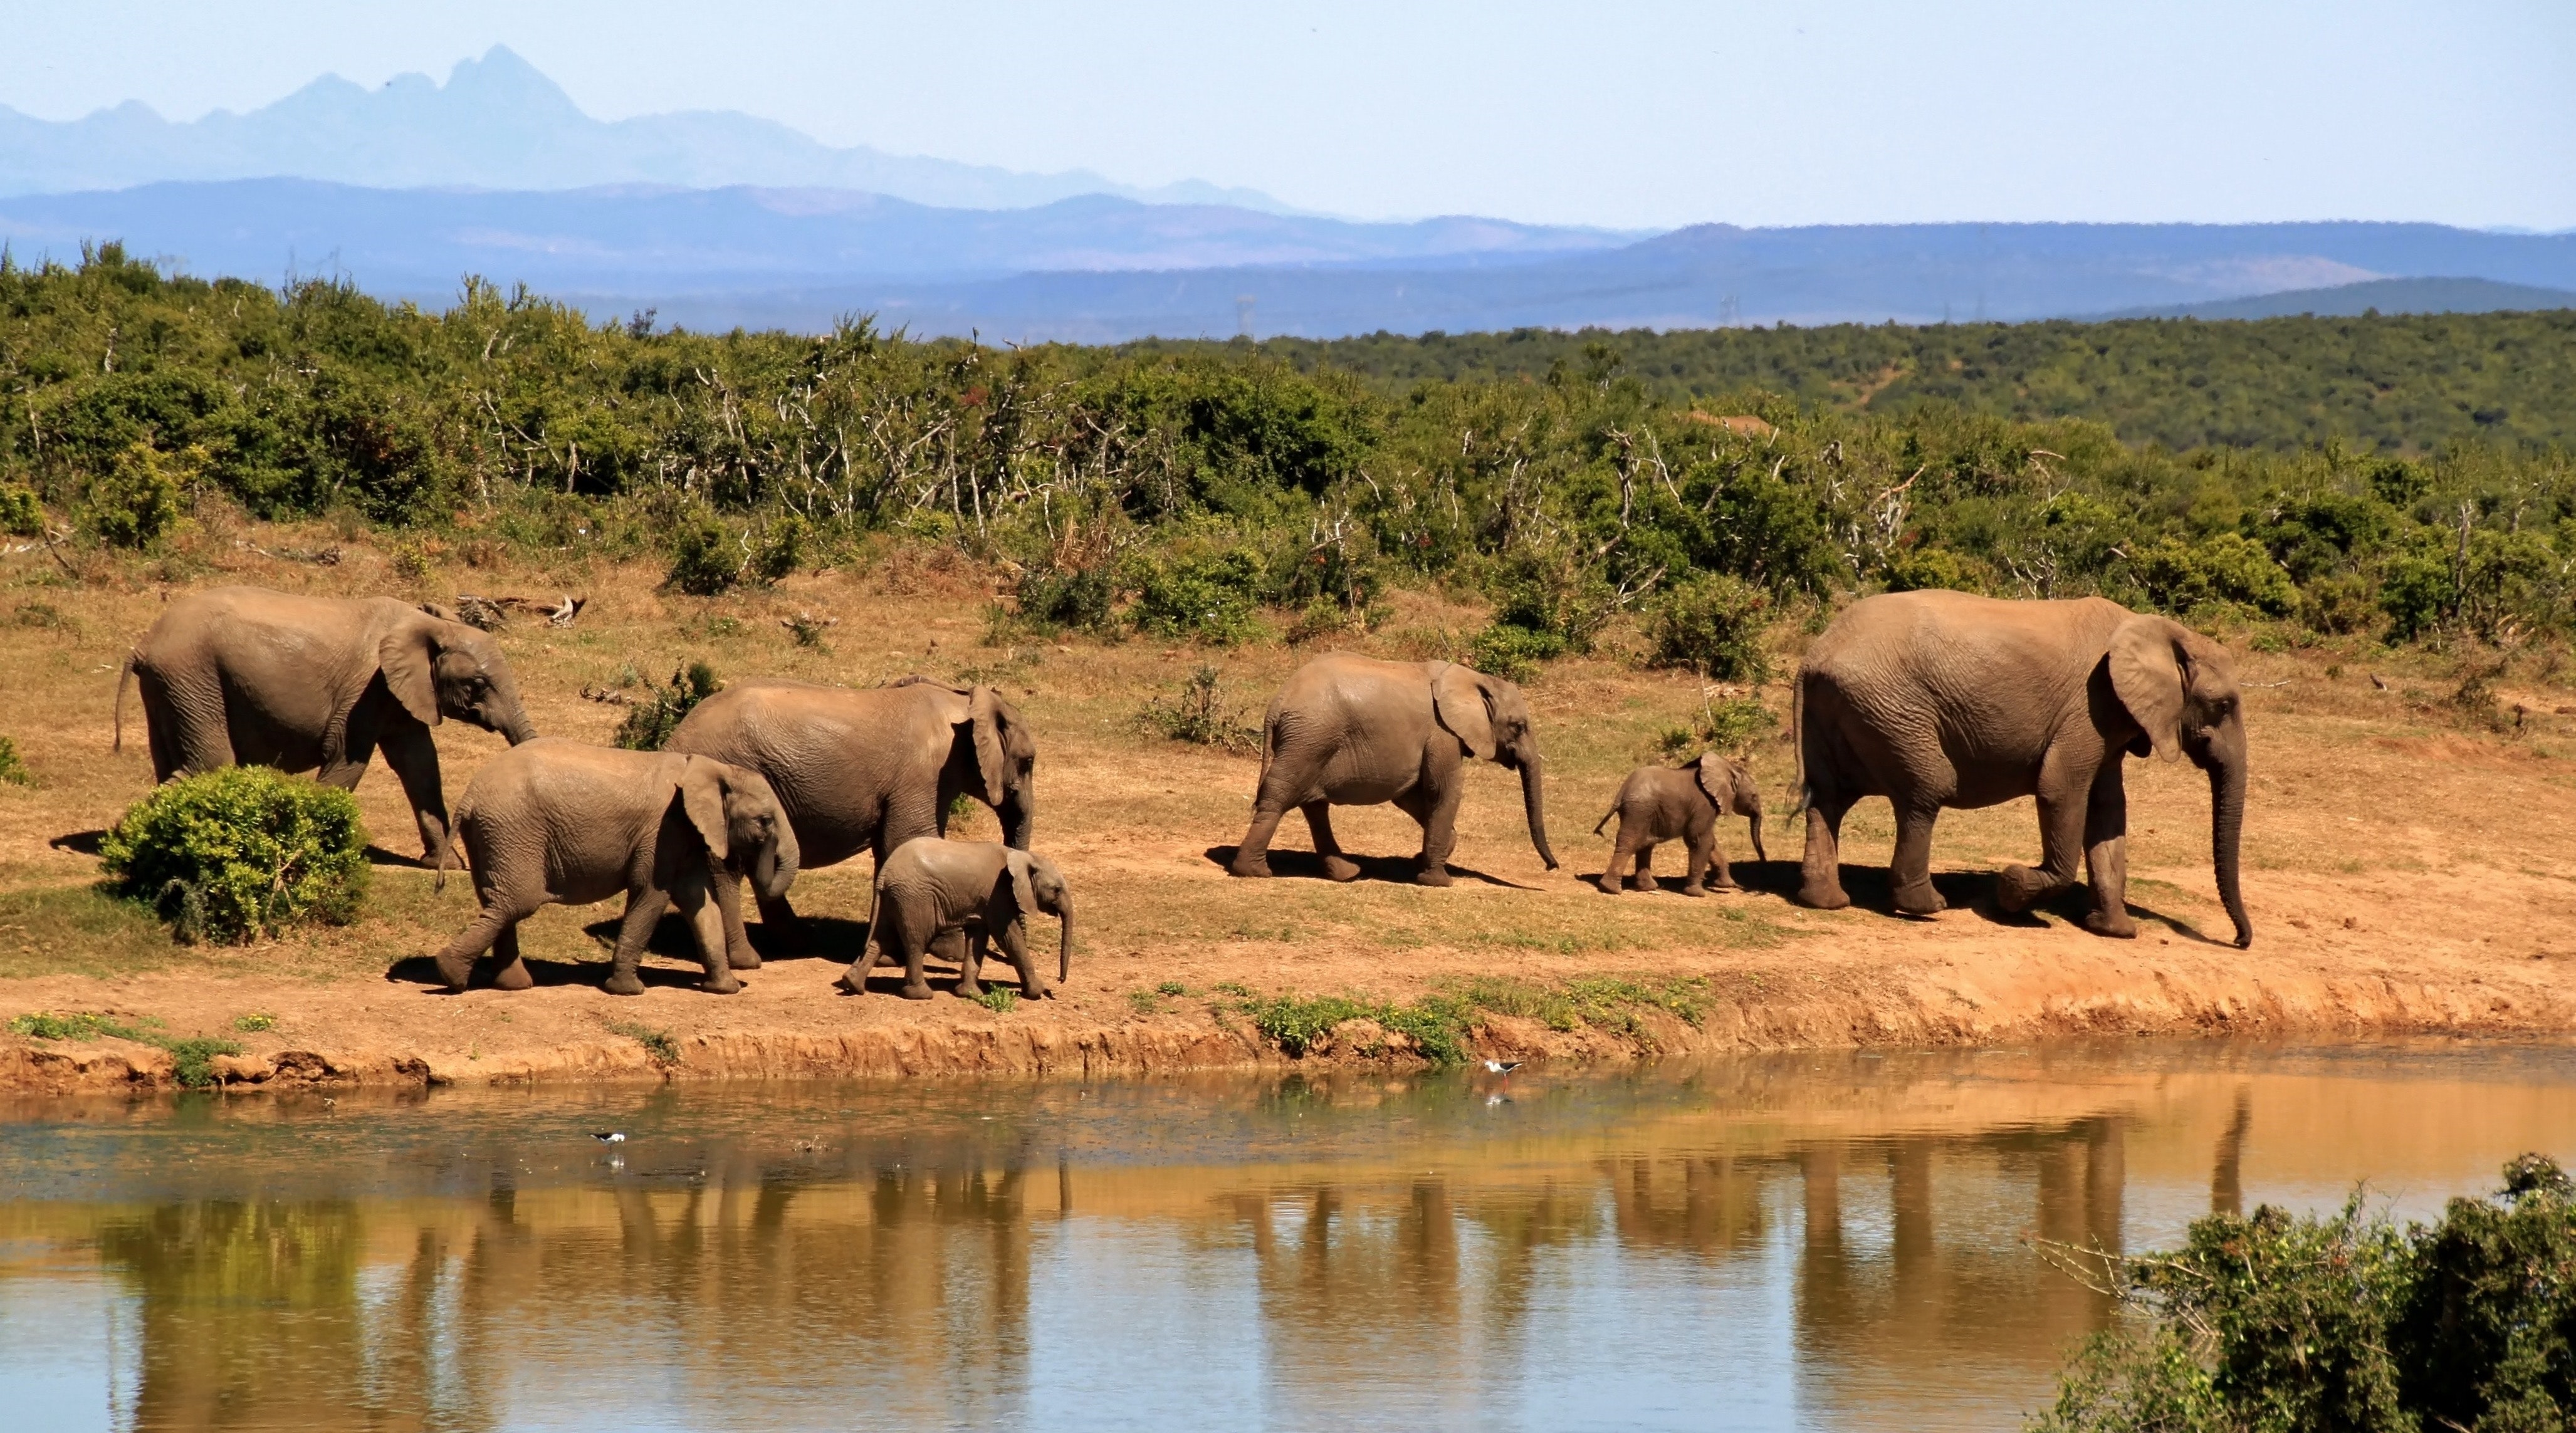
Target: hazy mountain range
{"x":500,"y":123}
{"x":722,"y":219}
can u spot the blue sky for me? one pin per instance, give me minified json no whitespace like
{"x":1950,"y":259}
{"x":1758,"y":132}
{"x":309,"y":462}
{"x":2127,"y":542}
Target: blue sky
{"x":1635,"y":115}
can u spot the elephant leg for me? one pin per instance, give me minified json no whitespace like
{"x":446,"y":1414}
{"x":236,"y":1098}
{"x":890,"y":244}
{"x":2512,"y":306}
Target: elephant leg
{"x":1319,"y":821}
{"x":2106,"y":855}
{"x":1621,"y":853}
{"x":644,"y":907}
{"x":1015,"y":945}
{"x":915,"y":985}
{"x":509,"y":972}
{"x":1910,"y":870}
{"x":787,"y":930}
{"x":456,"y":962}
{"x":739,"y":954}
{"x":1703,"y":857}
{"x":1820,"y":880}
{"x":2061,"y":846}
{"x":871,"y":955}
{"x":690,"y":895}
{"x":414,"y":758}
{"x":1439,"y":820}
{"x":1642,"y":876}
{"x":1713,"y":857}
{"x":1252,"y":858}
{"x":970,"y":964}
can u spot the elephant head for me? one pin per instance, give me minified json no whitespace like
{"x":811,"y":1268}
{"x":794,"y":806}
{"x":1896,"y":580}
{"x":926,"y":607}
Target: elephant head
{"x":1005,"y":761}
{"x":442,"y":669}
{"x":1037,"y":885}
{"x":1730,"y":788}
{"x":738,"y":816}
{"x":1492,"y":722}
{"x":2180,"y":688}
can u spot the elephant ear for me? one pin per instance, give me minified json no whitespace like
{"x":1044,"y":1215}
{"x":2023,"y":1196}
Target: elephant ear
{"x":1715,"y":778}
{"x":702,"y":794}
{"x":2147,"y":656}
{"x":1018,"y":862}
{"x":992,"y":756}
{"x":408,"y":656}
{"x":1462,"y":698}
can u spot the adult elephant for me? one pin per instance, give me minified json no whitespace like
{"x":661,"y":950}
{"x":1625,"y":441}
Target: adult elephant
{"x":863,"y":770}
{"x":1355,"y":731}
{"x":1936,"y":699}
{"x":319,"y":684}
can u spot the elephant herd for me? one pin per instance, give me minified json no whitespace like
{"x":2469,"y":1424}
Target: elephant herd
{"x":1930,"y":699}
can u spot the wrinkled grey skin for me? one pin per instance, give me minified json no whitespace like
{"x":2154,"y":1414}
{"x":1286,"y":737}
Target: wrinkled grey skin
{"x":1937,"y":699}
{"x":1660,"y":803}
{"x":553,"y":822}
{"x":932,"y":887}
{"x":864,"y":770}
{"x":1354,"y":731}
{"x":319,"y":684}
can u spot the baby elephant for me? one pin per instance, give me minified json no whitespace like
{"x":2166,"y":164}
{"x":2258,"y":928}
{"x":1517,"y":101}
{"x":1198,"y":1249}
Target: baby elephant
{"x":553,"y":821}
{"x":932,"y":887}
{"x":1658,"y":803}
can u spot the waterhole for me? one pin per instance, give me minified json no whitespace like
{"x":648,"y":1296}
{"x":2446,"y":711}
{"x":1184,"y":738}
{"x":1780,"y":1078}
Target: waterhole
{"x":1812,"y":1241}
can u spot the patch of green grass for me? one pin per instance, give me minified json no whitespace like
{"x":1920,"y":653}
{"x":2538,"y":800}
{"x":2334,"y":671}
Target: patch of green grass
{"x":1145,"y":1002}
{"x":1171,"y":987}
{"x":192,"y":1057}
{"x":657,"y":1043}
{"x":1234,"y":988}
{"x":998,"y":998}
{"x":254,"y":1022}
{"x":80,"y":930}
{"x":1438,"y":1024}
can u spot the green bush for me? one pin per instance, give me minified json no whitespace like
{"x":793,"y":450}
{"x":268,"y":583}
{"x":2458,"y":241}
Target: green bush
{"x":1729,"y":726}
{"x":20,"y":514}
{"x":135,"y":502}
{"x":13,"y":767}
{"x":2274,"y":1321}
{"x":1207,"y":597}
{"x":1921,"y":569}
{"x":2229,"y":567}
{"x":708,"y":560}
{"x":650,"y":722}
{"x":1712,"y":624}
{"x":1059,"y":601}
{"x":244,"y":851}
{"x":1199,"y":716}
{"x":1512,"y":652}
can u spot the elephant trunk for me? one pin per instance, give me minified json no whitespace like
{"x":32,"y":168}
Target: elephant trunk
{"x":1534,"y":803}
{"x":1019,"y":816}
{"x":778,"y":868}
{"x":1064,"y":948}
{"x":1753,"y":823}
{"x":2226,"y":831}
{"x":514,"y":723}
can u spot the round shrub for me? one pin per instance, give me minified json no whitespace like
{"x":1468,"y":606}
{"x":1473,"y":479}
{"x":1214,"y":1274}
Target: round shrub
{"x":1713,"y":624}
{"x":233,"y":854}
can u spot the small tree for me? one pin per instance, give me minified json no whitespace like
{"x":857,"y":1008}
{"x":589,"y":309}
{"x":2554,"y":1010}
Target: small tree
{"x":136,"y":501}
{"x":1713,"y":625}
{"x":650,"y":722}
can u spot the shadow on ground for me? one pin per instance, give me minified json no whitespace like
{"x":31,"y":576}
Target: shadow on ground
{"x":1392,"y":870}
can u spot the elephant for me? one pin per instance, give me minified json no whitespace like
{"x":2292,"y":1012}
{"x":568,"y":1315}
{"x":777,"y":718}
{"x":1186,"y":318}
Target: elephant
{"x":1347,"y":730}
{"x":863,"y":770}
{"x":1937,"y":699}
{"x":933,"y":887}
{"x":319,"y":684}
{"x":1659,"y":803}
{"x":552,"y":821}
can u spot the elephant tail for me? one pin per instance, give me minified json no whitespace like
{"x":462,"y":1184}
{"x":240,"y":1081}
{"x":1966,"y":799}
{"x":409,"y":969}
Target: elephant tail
{"x":1605,"y":818}
{"x":450,"y":856}
{"x":124,"y":678}
{"x":1800,"y":796}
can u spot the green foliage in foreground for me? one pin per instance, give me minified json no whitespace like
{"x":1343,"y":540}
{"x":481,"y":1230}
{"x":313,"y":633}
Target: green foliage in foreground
{"x":2284,"y":1324}
{"x":2375,"y":477}
{"x":192,"y":1057}
{"x":651,"y":720}
{"x":240,"y":852}
{"x":1437,"y":1025}
{"x":658,"y":1045}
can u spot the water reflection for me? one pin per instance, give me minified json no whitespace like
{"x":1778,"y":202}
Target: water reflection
{"x":1818,"y":1242}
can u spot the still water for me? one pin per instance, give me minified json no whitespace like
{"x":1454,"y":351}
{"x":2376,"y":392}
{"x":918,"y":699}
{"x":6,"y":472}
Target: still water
{"x":1789,"y":1242}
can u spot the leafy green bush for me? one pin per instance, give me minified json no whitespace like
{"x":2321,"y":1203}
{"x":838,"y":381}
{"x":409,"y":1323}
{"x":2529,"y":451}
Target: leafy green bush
{"x":135,"y":502}
{"x":20,"y":514}
{"x":1079,"y":600}
{"x":704,"y":561}
{"x":2275,"y":1321}
{"x":1729,"y":726}
{"x":13,"y":768}
{"x":1511,"y":652}
{"x":1920,"y":569}
{"x":1199,"y":716}
{"x":650,"y":721}
{"x":240,"y":852}
{"x":1208,"y":597}
{"x":1551,"y":593}
{"x":2229,"y":567}
{"x":1713,"y":625}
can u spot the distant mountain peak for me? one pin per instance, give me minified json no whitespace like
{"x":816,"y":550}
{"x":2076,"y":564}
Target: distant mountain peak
{"x":499,"y":122}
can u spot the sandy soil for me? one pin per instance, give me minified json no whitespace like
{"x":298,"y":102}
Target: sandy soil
{"x":2409,"y":871}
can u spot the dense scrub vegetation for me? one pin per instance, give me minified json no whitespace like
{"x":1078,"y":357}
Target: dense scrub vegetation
{"x":2277,"y":1322}
{"x":1187,"y":491}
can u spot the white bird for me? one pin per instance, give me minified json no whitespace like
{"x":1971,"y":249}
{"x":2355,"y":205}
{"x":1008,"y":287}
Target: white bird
{"x":1501,"y":1067}
{"x":609,"y":1136}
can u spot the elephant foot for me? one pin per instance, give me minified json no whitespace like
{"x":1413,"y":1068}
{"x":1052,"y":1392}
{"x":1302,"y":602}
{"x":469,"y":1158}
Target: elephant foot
{"x":1435,"y":876}
{"x":1036,"y":992}
{"x":726,"y":985}
{"x":853,"y":981}
{"x":969,"y":990}
{"x":1694,"y":889}
{"x":1823,"y":898}
{"x":1249,"y":870}
{"x":1919,"y":900}
{"x":1609,"y":884}
{"x":457,"y":974}
{"x":1338,"y":867}
{"x":624,"y":982}
{"x":1724,"y":883}
{"x":743,"y":959}
{"x":915,"y":990}
{"x":1644,"y":883}
{"x":513,"y":976}
{"x":2118,"y":925}
{"x":2017,"y":888}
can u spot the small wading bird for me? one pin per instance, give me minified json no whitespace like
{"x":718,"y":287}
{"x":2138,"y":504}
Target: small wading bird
{"x":609,"y":1136}
{"x":1501,"y":1067}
